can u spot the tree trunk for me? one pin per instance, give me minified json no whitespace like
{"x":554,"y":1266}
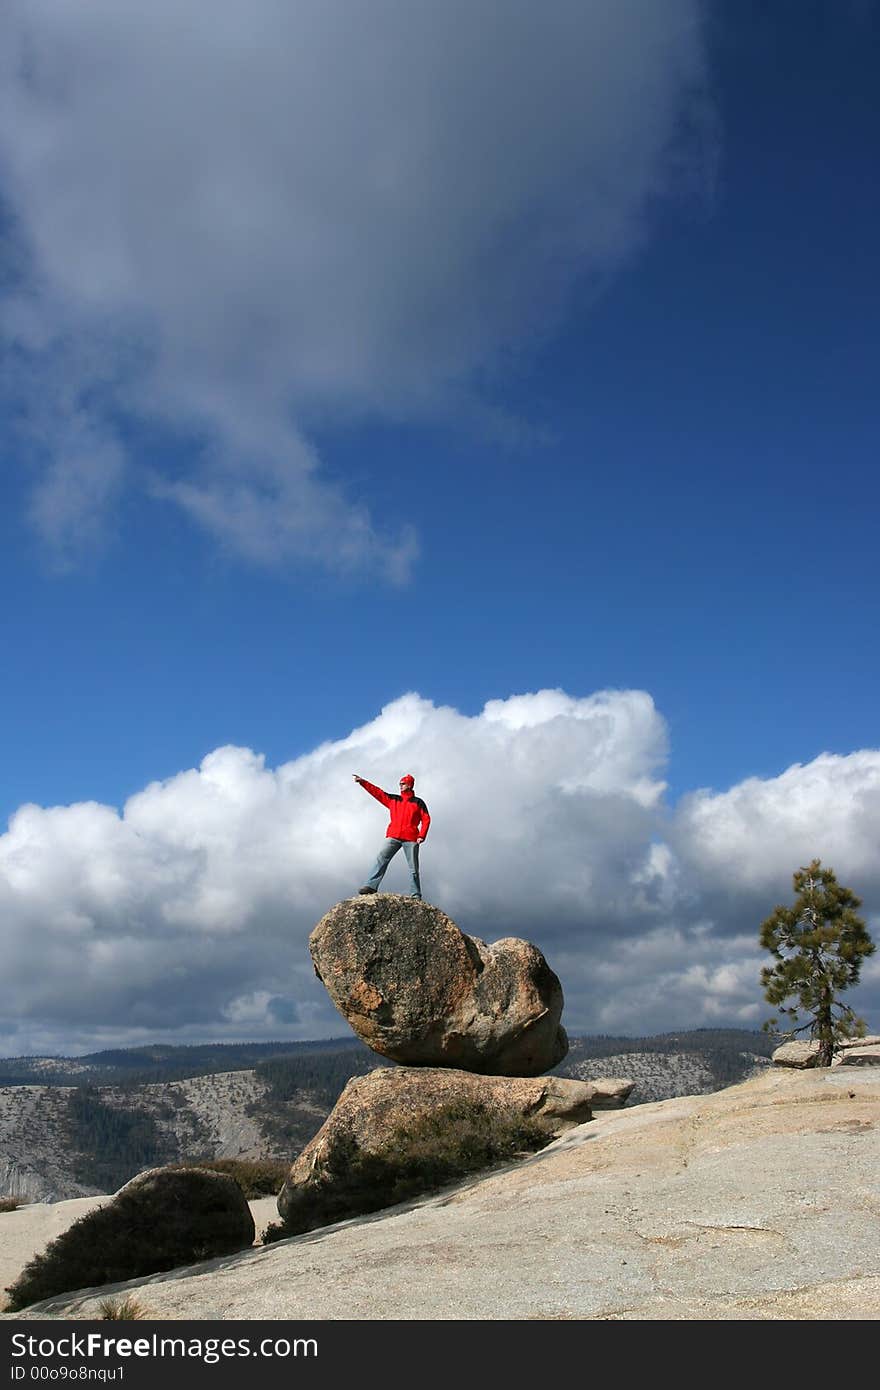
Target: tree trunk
{"x":824,"y":1030}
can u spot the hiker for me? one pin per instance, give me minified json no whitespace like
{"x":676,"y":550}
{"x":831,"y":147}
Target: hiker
{"x":407,"y":830}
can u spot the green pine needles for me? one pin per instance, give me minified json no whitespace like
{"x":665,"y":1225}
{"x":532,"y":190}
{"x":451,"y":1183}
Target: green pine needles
{"x":819,"y":944}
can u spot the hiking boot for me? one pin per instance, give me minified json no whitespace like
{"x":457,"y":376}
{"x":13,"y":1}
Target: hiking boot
{"x":366,"y":889}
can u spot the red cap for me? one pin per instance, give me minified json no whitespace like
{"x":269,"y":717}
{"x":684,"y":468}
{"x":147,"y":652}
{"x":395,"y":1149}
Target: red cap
{"x":410,"y":781}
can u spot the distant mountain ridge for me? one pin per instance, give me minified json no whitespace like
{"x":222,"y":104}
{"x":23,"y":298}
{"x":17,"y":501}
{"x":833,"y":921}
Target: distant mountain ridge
{"x":683,"y":1063}
{"x":171,"y":1062}
{"x":159,"y":1061}
{"x":79,"y":1126}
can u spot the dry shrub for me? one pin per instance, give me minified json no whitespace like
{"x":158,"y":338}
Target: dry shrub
{"x":257,"y":1177}
{"x":125,"y":1309}
{"x":276,"y":1230}
{"x":161,"y":1220}
{"x":437,"y":1148}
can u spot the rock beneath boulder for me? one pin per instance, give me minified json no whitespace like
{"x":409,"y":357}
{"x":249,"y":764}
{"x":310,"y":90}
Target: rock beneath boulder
{"x":163,"y":1218}
{"x":609,"y":1092}
{"x":403,"y":1130}
{"x":416,"y":989}
{"x":852,"y":1052}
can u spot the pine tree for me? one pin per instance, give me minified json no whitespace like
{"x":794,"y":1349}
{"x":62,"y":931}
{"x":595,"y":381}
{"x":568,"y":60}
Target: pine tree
{"x":819,"y":944}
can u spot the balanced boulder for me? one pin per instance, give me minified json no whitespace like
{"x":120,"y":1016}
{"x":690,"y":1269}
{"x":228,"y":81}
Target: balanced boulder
{"x":402,"y":1130}
{"x":417,"y":990}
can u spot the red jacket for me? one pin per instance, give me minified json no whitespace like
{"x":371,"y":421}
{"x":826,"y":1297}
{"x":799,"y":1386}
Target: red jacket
{"x":409,"y":814}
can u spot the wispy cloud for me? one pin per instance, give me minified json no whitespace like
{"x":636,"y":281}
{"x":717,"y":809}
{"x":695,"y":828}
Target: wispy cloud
{"x":271,"y":212}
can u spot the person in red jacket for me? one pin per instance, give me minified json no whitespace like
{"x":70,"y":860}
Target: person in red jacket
{"x":407,"y":830}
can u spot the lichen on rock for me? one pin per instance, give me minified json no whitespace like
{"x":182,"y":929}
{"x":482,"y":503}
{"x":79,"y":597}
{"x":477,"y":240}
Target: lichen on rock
{"x":419,"y":991}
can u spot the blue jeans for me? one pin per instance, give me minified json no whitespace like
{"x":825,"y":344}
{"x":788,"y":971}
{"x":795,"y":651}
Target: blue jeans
{"x":385,"y":856}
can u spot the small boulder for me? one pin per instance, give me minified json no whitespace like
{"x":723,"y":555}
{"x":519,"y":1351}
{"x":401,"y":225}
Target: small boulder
{"x":865,"y":1053}
{"x":609,"y":1092}
{"x":796,"y":1054}
{"x":163,"y":1218}
{"x":850,"y":1052}
{"x":416,"y":989}
{"x":403,"y":1130}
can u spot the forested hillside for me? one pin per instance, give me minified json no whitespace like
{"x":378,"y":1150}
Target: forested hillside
{"x":71,"y":1126}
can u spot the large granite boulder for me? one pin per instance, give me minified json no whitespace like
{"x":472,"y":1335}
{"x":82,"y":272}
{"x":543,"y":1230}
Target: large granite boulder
{"x":417,"y":990}
{"x":402,"y":1130}
{"x":163,"y":1218}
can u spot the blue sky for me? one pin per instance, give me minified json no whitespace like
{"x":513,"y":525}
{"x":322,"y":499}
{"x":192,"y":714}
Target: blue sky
{"x":417,"y":362}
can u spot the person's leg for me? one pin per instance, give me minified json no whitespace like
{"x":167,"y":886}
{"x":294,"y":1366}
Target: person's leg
{"x":411,"y":850}
{"x":383,"y":859}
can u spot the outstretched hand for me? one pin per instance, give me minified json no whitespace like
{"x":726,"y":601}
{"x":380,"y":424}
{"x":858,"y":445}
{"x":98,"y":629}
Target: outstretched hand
{"x":356,"y":778}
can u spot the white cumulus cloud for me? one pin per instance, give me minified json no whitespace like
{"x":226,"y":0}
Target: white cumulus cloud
{"x":743,"y":845}
{"x":186,"y":914}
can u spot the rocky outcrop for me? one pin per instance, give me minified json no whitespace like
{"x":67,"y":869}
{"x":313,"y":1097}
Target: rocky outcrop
{"x":609,"y":1092}
{"x":754,"y":1203}
{"x":866,"y":1054}
{"x":163,"y":1218}
{"x":796,"y":1054}
{"x":25,"y":1183}
{"x":852,"y":1052}
{"x":402,"y":1130}
{"x":419,"y":991}
{"x":37,"y":1150}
